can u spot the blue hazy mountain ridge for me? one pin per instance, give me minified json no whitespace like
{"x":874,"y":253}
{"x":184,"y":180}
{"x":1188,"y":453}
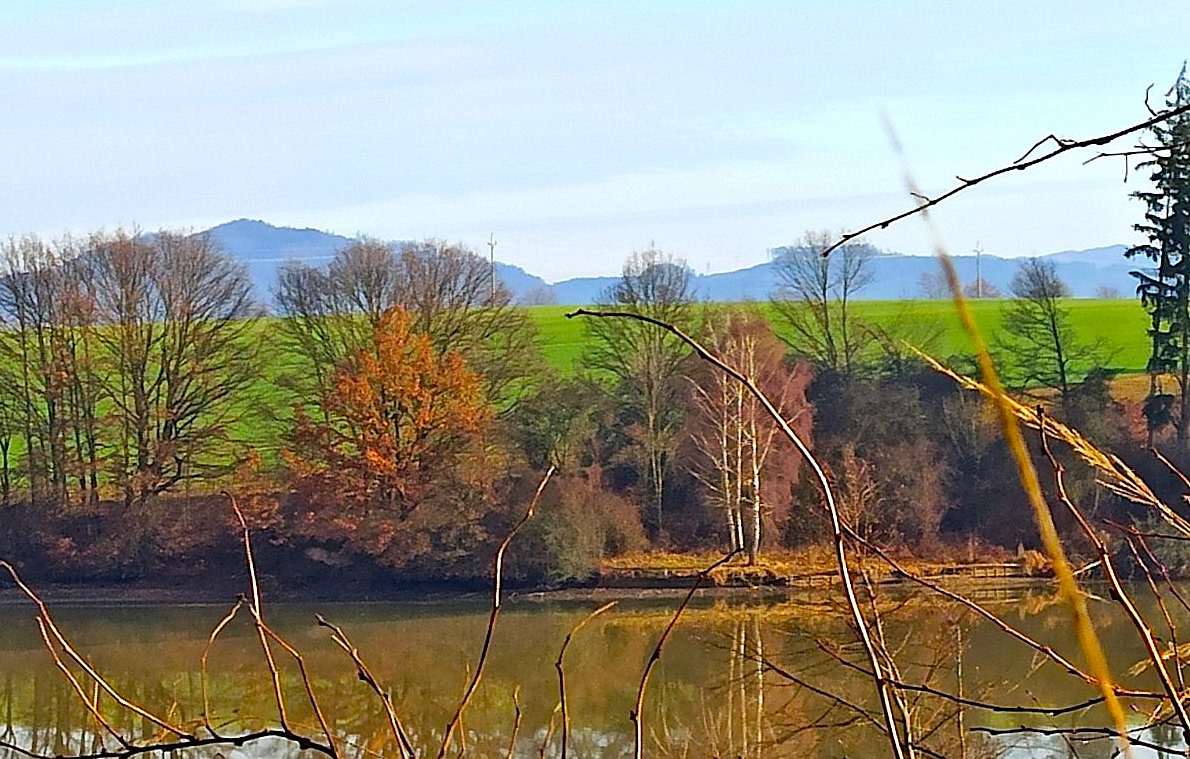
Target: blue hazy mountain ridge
{"x":262,"y":248}
{"x":896,"y":276}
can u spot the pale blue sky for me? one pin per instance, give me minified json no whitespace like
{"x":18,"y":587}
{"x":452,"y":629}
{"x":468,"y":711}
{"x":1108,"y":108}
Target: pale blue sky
{"x":576,"y":132}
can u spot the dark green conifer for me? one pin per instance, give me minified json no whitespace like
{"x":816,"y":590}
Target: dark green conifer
{"x":1164,"y":287}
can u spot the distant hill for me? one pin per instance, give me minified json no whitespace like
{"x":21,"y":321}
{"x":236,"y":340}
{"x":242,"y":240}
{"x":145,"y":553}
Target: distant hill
{"x":251,"y":240}
{"x":896,"y":276}
{"x":263,"y":247}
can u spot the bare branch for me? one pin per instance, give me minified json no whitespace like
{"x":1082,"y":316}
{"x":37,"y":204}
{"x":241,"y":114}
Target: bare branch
{"x":265,"y":633}
{"x":44,"y":615}
{"x":187,"y":742}
{"x":635,"y":715}
{"x":1118,"y":590}
{"x":1043,"y":649}
{"x":1083,"y":733}
{"x":497,"y":572}
{"x":516,"y":722}
{"x":257,"y":619}
{"x":1062,"y":147}
{"x":306,"y":683}
{"x":90,"y":703}
{"x":365,"y":675}
{"x":1058,"y":142}
{"x":562,"y":675}
{"x":206,"y":652}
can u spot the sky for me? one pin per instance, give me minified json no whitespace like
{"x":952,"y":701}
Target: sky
{"x":577,"y":133}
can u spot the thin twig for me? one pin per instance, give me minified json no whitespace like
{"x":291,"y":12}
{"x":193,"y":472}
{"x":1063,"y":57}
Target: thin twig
{"x":1084,"y":630}
{"x":306,"y":683}
{"x":365,"y":675}
{"x":1062,"y":146}
{"x":549,"y":731}
{"x":497,"y":572}
{"x":92,"y":705}
{"x":257,"y":618}
{"x":1048,"y":711}
{"x":562,"y":674}
{"x":894,"y":673}
{"x":187,"y":742}
{"x":635,"y":715}
{"x":1172,"y":468}
{"x":1160,"y":599}
{"x":1140,"y":538}
{"x":516,"y":723}
{"x":206,"y":652}
{"x":1046,"y":651}
{"x":1083,"y":733}
{"x":44,"y":615}
{"x":1118,"y":590}
{"x":835,"y":699}
{"x":264,"y":632}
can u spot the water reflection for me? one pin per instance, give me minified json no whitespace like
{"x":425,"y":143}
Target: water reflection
{"x":712,"y":694}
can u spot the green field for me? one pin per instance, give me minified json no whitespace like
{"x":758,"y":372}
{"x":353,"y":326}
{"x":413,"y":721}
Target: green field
{"x":261,"y":417}
{"x":1120,"y":325}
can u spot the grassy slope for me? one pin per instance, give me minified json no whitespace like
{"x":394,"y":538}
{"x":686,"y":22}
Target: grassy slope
{"x":1120,"y":324}
{"x":562,"y":339}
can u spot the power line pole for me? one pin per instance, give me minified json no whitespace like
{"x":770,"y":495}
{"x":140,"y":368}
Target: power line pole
{"x":978,"y":276}
{"x":492,"y":257}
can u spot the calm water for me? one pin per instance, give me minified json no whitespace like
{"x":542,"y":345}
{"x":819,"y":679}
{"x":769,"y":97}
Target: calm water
{"x":707,"y":696}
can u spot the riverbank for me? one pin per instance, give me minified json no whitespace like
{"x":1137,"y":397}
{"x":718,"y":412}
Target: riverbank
{"x":811,"y":567}
{"x":634,"y":576}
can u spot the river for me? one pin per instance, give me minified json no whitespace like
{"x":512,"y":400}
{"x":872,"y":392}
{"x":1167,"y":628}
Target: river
{"x":709,"y":694}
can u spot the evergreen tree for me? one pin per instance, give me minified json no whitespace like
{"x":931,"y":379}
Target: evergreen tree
{"x":1164,"y":288}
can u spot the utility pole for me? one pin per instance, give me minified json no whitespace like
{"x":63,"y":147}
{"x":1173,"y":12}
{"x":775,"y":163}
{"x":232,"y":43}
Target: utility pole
{"x":978,"y":276}
{"x":492,"y":258}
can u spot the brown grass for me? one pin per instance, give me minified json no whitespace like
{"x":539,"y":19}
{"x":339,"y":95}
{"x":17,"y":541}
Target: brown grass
{"x":801,"y":562}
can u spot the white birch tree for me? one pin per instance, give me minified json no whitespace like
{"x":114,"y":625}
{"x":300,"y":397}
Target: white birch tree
{"x":733,"y":436}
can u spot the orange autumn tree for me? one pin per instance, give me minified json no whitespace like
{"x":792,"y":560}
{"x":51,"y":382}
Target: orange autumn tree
{"x":391,"y":469}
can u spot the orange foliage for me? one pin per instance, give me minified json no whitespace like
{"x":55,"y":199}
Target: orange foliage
{"x":383,"y":473}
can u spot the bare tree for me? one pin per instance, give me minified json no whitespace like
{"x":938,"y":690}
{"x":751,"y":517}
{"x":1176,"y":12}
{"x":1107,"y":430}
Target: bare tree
{"x":814,"y":297}
{"x":1038,"y":335}
{"x":981,"y":288}
{"x":932,"y":285}
{"x":47,"y":368}
{"x":9,"y":432}
{"x":732,"y":433}
{"x":78,"y":320}
{"x":330,"y":313}
{"x":447,"y":290}
{"x":122,"y":352}
{"x":645,"y":366}
{"x":539,"y":296}
{"x":177,"y":341}
{"x":27,"y":318}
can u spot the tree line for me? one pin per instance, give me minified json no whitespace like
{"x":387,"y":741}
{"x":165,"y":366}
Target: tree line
{"x":121,"y":359}
{"x":411,"y":403}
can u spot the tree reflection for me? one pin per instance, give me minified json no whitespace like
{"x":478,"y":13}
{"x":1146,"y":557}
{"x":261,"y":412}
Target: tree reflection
{"x":716,"y":691}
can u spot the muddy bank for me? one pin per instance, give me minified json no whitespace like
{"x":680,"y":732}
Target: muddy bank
{"x":742,"y":582}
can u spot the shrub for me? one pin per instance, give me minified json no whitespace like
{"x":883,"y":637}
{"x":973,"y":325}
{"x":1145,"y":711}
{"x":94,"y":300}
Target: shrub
{"x":577,"y":525}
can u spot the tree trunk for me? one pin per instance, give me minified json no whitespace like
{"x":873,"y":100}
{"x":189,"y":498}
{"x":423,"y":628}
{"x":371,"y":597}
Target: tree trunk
{"x":5,"y":471}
